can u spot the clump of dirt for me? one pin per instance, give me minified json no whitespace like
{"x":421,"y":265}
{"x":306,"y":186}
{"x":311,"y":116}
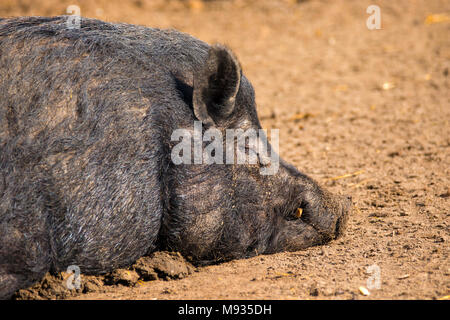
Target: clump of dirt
{"x":163,"y":265}
{"x":123,"y":277}
{"x":55,"y":286}
{"x":160,"y":265}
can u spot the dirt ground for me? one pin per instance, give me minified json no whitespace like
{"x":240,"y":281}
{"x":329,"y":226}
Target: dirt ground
{"x":364,"y":112}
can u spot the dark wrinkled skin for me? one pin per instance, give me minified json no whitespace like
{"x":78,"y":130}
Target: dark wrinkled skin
{"x":86,"y":176}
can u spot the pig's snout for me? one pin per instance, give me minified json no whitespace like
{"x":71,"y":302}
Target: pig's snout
{"x":341,"y":222}
{"x":328,"y":214}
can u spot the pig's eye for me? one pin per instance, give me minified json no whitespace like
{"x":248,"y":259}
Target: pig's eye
{"x":295,"y":213}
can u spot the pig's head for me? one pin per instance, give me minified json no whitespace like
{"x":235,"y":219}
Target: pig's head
{"x":285,"y":210}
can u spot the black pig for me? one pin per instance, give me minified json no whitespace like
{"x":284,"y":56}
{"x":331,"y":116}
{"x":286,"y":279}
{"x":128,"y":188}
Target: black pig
{"x":86,"y":177}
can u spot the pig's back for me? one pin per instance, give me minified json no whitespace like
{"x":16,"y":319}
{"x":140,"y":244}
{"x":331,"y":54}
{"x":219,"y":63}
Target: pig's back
{"x":53,"y":75}
{"x":170,"y":49}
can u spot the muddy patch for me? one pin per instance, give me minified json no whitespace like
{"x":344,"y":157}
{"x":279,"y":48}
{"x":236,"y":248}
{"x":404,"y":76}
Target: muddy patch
{"x":157,"y":266}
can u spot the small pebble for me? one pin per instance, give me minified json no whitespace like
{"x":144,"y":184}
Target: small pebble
{"x":364,"y":291}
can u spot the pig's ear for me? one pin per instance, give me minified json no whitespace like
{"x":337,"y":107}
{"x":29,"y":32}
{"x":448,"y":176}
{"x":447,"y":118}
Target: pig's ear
{"x":216,"y":85}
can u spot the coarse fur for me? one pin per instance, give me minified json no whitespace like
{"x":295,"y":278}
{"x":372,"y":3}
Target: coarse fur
{"x":86,"y":177}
